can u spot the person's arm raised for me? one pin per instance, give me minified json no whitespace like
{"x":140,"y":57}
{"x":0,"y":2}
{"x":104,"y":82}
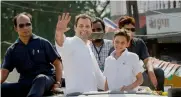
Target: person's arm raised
{"x":61,"y":28}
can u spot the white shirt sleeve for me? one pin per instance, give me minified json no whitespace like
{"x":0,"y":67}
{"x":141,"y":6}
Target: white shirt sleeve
{"x":100,"y":78}
{"x":137,"y":68}
{"x":66,"y":48}
{"x":105,"y":73}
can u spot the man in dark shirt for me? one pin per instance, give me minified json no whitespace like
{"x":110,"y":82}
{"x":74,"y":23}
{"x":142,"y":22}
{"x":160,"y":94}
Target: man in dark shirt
{"x":153,"y":77}
{"x":34,"y":58}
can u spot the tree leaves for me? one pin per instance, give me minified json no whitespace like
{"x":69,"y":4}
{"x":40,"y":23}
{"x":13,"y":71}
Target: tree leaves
{"x":45,"y":14}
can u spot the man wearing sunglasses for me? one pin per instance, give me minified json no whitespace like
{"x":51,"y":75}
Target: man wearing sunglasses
{"x":33,"y":57}
{"x":100,"y":47}
{"x":153,"y":77}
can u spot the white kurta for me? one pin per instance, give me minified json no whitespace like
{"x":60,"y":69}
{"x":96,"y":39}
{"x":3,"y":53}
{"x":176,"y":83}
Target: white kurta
{"x":81,"y":71}
{"x":122,"y":71}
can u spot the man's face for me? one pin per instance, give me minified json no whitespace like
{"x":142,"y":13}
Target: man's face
{"x":83,"y":29}
{"x":97,"y":27}
{"x":120,"y":43}
{"x":131,"y":30}
{"x":24,"y":27}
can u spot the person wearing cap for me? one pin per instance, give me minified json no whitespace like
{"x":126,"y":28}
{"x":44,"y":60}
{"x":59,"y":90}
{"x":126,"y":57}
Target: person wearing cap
{"x":153,"y":77}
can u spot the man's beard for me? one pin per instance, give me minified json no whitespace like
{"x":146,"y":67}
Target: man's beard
{"x":98,"y":40}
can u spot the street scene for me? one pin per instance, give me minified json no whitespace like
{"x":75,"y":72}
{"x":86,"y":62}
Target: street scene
{"x":97,"y":48}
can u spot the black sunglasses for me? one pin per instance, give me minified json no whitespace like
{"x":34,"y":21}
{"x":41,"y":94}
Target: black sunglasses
{"x":23,"y":25}
{"x":131,"y":29}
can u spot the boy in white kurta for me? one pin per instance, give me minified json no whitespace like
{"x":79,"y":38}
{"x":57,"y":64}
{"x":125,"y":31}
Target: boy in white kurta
{"x":122,"y":68}
{"x":81,"y":70}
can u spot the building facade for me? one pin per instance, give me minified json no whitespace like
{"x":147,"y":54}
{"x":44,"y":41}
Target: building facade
{"x":160,"y":26}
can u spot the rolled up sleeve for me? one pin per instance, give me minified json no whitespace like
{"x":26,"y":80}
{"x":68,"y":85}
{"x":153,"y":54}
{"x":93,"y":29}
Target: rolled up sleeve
{"x":143,"y":51}
{"x":66,"y":48}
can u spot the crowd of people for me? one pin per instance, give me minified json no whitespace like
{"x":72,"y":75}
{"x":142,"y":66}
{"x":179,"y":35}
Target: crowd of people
{"x":88,"y":65}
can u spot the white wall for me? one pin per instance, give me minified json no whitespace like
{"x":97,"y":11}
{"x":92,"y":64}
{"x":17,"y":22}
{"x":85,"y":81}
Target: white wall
{"x":119,"y":7}
{"x":163,"y":23}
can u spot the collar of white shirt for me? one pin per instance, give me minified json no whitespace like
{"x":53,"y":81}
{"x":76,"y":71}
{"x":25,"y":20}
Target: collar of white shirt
{"x":122,"y":55}
{"x":79,"y":39}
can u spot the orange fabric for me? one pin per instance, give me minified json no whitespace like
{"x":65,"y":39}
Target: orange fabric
{"x":175,"y":82}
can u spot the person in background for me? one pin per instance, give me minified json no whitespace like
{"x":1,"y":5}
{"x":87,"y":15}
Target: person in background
{"x":100,"y":47}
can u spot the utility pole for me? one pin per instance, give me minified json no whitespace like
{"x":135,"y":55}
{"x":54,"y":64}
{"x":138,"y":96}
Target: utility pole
{"x":136,"y":16}
{"x":132,"y":7}
{"x":128,"y":6}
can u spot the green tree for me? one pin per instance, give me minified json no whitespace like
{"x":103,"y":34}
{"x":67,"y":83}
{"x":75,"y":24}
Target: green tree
{"x":45,"y":15}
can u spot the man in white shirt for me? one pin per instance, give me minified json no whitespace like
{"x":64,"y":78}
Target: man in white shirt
{"x":81,"y":71}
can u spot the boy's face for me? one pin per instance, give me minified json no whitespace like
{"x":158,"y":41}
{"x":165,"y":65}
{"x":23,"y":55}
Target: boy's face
{"x":120,"y":43}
